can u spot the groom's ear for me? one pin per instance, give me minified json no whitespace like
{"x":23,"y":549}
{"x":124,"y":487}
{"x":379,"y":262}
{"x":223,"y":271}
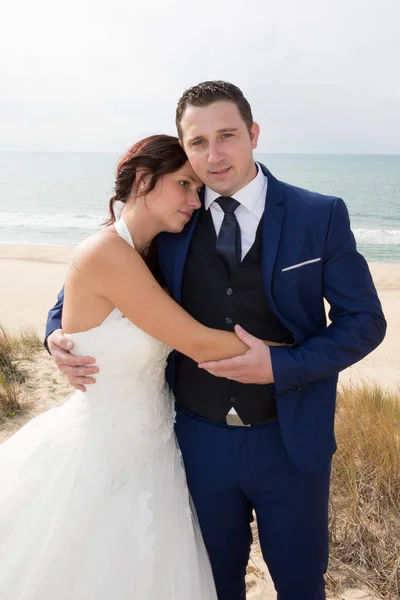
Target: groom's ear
{"x":254,"y":135}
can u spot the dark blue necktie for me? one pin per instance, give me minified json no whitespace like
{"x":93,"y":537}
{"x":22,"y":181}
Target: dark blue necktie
{"x":229,"y":243}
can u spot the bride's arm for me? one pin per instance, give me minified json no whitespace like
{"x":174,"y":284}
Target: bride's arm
{"x":115,"y":271}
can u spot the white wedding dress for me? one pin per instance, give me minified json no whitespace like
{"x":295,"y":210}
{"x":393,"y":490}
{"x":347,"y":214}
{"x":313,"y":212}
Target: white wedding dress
{"x":93,"y":497}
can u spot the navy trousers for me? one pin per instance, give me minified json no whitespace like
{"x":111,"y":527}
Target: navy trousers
{"x":232,"y":471}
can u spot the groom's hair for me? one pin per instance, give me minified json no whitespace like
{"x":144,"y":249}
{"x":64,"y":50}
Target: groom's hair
{"x":206,"y":93}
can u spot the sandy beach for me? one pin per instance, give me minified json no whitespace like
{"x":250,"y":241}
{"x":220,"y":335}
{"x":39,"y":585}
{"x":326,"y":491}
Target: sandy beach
{"x":31,"y":277}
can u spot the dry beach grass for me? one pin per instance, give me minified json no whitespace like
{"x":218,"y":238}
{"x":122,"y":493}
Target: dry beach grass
{"x":365,"y":493}
{"x":14,"y":350}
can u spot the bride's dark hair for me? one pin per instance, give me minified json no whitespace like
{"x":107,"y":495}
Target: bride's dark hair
{"x":152,"y":157}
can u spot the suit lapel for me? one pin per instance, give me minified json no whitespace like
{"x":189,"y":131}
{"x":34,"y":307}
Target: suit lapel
{"x":181,"y":252}
{"x":182,"y":245}
{"x":273,"y":217}
{"x":272,"y":226}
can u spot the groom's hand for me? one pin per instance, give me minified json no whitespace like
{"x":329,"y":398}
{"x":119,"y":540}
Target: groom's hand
{"x":75,"y":368}
{"x":252,"y":367}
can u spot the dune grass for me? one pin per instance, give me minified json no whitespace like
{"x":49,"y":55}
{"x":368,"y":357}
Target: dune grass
{"x":14,"y":348}
{"x":365,"y":490}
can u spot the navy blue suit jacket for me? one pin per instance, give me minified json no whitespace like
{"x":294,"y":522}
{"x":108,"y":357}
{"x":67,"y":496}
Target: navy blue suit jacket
{"x":300,"y":226}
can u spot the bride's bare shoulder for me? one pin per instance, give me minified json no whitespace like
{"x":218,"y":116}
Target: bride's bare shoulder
{"x":99,"y":250}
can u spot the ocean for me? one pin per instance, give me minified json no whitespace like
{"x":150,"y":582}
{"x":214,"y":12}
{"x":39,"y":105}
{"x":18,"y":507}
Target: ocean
{"x":60,"y":198}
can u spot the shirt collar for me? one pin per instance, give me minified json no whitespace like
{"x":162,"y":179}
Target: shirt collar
{"x":247,"y":196}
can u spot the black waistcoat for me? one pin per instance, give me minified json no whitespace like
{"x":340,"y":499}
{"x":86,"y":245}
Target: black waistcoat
{"x":219,"y":302}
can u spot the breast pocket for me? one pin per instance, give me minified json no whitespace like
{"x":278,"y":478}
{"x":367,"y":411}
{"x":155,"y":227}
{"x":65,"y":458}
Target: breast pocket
{"x":301,"y":265}
{"x":303,"y":279}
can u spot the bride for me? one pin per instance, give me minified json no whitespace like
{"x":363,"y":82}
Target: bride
{"x":93,"y":501}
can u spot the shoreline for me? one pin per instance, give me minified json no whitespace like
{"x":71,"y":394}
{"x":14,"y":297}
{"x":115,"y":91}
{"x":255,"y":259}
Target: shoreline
{"x":32,"y":276}
{"x":381,"y":271}
{"x":8,"y":249}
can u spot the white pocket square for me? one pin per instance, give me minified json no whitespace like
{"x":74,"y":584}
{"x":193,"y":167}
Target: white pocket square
{"x":307,"y":262}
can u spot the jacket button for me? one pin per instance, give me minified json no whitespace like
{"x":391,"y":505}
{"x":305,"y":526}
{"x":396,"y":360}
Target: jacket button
{"x":228,"y":320}
{"x":232,"y":399}
{"x":229,"y":292}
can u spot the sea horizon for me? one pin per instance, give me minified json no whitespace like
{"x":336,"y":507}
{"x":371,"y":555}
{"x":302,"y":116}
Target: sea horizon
{"x":257,"y":152}
{"x":58,"y":198}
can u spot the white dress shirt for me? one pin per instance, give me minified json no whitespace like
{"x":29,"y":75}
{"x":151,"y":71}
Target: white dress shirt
{"x":248,"y":214}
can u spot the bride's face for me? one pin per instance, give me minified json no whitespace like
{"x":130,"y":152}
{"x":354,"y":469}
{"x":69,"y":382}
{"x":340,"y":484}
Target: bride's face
{"x":174,"y":199}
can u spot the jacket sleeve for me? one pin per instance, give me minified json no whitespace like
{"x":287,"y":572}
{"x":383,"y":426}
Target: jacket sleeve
{"x":54,"y":317}
{"x":357,"y":324}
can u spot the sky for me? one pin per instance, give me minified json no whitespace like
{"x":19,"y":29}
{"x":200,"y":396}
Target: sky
{"x":90,"y":75}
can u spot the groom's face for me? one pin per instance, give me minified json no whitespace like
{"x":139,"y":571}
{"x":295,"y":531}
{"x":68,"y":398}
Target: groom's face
{"x":219,"y":146}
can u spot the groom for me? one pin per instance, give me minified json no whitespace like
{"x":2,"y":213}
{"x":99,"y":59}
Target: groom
{"x":256,"y":431}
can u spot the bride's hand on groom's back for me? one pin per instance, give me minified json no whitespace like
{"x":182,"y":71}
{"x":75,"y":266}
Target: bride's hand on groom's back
{"x":77,"y":369}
